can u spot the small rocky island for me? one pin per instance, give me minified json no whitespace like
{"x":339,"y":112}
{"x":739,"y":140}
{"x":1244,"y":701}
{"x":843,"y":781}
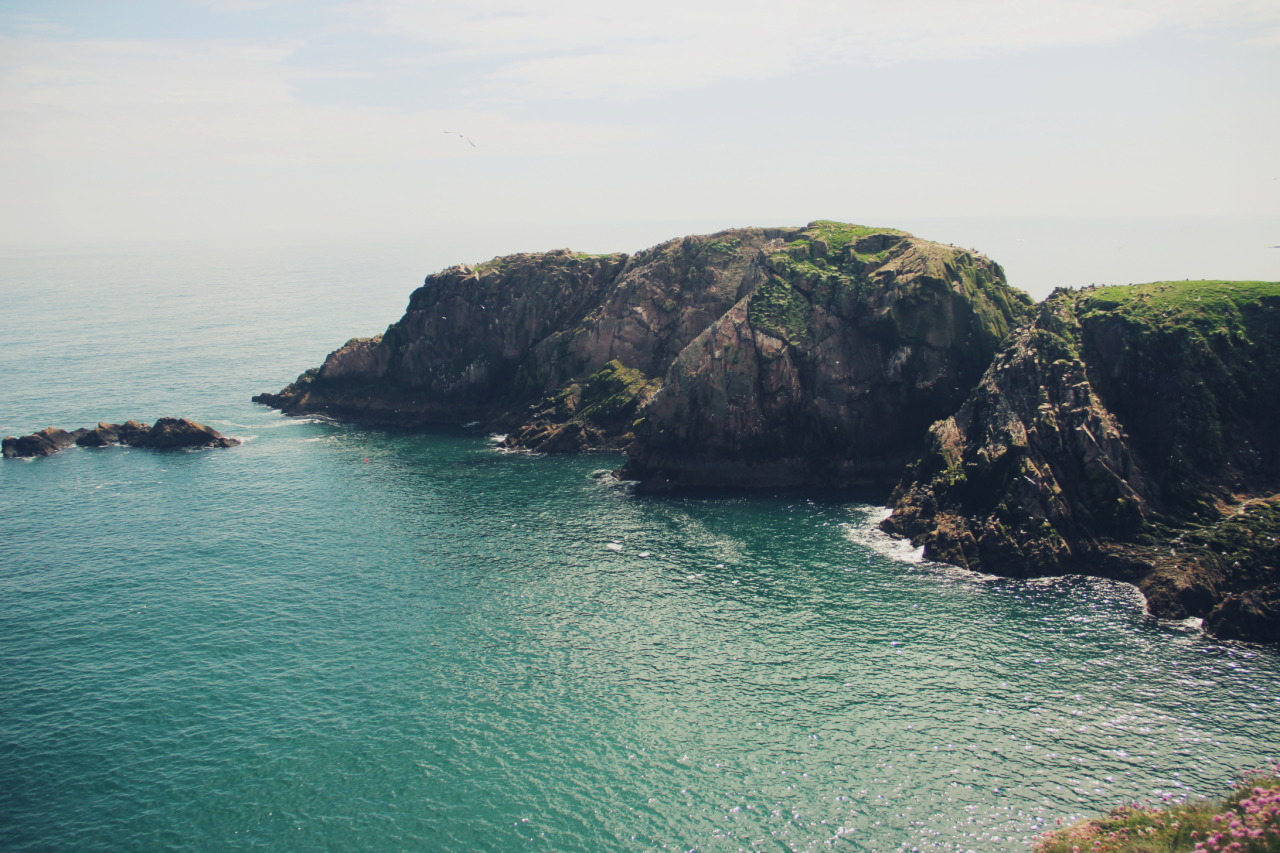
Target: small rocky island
{"x":1128,"y":432}
{"x":164,"y":433}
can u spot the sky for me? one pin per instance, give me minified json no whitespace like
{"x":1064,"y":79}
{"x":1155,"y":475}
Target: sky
{"x":536,"y":119}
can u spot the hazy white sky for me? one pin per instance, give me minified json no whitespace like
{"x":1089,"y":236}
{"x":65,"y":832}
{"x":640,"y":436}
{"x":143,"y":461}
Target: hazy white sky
{"x":225,"y":118}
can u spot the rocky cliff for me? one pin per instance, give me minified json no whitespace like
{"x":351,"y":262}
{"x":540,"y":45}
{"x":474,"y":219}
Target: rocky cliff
{"x":781,"y":356}
{"x":830,"y":368}
{"x":1131,"y":432}
{"x":511,"y":342}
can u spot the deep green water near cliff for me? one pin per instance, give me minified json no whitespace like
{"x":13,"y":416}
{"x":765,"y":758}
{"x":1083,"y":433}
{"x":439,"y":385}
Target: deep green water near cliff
{"x":337,"y":638}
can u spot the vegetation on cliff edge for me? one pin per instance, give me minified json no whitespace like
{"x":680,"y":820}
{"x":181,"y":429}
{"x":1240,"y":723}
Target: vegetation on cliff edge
{"x":1246,"y":821}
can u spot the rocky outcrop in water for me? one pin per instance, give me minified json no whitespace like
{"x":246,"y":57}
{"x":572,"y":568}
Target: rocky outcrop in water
{"x":164,"y":433}
{"x":753,"y":357}
{"x":1130,"y":432}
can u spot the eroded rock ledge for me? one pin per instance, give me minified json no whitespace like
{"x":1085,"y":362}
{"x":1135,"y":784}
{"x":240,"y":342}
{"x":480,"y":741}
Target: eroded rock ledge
{"x":1128,"y":432}
{"x":164,"y":433}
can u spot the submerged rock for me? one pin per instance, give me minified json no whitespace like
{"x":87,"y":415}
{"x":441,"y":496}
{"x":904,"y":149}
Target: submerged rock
{"x":1131,"y":432}
{"x":165,"y":433}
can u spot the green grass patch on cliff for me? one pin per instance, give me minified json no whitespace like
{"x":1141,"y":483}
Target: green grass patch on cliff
{"x":612,"y":393}
{"x":1200,"y":295}
{"x":1247,"y":540}
{"x":722,"y":245}
{"x":780,"y":310}
{"x":825,"y":242}
{"x":837,"y":235}
{"x":1202,"y":305}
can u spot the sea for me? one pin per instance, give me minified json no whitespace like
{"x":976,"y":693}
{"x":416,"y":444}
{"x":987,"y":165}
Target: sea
{"x":340,"y":638}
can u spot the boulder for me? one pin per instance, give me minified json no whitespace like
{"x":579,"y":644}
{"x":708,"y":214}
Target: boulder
{"x":43,"y":443}
{"x":181,"y":432}
{"x":101,"y":436}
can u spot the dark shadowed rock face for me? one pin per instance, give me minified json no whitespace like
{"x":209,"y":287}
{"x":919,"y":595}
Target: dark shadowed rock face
{"x":830,"y":369}
{"x":165,"y":433}
{"x":1128,"y":432}
{"x":813,"y":355}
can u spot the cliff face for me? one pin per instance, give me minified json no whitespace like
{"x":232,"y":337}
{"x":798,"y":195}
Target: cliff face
{"x":1132,"y":432}
{"x":487,"y":342}
{"x":830,"y":369}
{"x":458,"y":351}
{"x":788,"y":353}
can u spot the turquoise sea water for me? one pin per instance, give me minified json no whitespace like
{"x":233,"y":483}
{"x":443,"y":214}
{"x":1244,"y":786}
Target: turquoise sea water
{"x":334,"y":638}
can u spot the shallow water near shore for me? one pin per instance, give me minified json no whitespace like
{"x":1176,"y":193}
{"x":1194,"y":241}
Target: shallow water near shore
{"x":339,"y":638}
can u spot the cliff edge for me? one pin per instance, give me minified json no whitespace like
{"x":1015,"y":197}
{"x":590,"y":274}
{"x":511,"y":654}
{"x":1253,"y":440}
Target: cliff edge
{"x":1129,"y":432}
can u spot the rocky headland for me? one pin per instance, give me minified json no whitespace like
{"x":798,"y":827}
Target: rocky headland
{"x":164,"y":433}
{"x":751,"y":357}
{"x":1129,"y":432}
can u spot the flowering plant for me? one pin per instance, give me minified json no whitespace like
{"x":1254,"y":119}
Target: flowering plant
{"x":1247,"y":821}
{"x":1252,"y":826}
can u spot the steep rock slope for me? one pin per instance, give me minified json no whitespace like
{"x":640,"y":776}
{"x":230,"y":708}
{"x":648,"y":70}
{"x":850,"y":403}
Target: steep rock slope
{"x":567,"y":351}
{"x":830,"y":370}
{"x":509,"y":342}
{"x":1132,"y":432}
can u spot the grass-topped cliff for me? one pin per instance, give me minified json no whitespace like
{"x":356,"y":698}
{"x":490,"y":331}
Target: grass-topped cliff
{"x":1129,"y":431}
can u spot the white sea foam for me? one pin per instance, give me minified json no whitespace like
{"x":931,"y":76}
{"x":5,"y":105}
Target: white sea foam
{"x":865,"y":531}
{"x":283,"y":421}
